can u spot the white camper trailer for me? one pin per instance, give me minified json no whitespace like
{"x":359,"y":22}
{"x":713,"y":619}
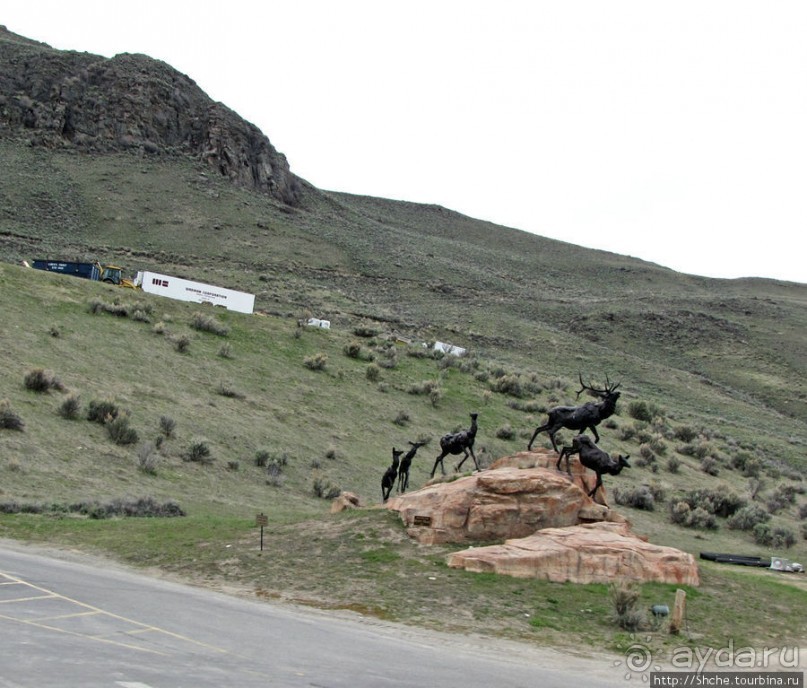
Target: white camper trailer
{"x":186,"y":290}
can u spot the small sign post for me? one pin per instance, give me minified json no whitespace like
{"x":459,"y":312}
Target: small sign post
{"x":679,"y":612}
{"x":261,"y":520}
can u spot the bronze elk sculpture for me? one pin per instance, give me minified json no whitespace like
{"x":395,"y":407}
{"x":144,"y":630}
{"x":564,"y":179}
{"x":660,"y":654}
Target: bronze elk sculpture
{"x":406,"y":463}
{"x":591,"y":456}
{"x":585,"y":416}
{"x":388,"y":479}
{"x":460,"y":442}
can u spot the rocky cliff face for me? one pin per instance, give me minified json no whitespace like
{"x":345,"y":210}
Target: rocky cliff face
{"x":60,"y":98}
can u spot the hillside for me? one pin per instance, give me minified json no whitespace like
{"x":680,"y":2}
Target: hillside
{"x":713,"y":372}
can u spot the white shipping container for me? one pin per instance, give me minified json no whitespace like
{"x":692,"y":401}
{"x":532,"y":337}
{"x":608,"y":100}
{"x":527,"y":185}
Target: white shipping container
{"x":186,"y":290}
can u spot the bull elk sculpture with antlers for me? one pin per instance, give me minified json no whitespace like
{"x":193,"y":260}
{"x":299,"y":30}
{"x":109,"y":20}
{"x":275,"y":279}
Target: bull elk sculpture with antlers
{"x":585,"y":416}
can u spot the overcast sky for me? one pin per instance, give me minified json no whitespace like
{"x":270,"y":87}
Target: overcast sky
{"x":672,"y":131}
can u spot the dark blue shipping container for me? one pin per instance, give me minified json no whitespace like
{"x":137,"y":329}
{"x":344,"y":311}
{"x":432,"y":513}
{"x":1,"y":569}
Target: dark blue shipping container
{"x":86,"y":270}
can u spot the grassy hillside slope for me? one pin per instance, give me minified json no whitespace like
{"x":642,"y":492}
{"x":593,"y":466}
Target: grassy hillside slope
{"x":426,"y":271}
{"x":713,"y":374}
{"x":251,"y":390}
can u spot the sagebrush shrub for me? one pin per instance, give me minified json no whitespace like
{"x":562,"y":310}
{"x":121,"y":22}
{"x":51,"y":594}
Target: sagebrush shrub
{"x":646,"y":456}
{"x":120,"y":310}
{"x":720,"y":502}
{"x":317,"y":361}
{"x":207,"y":323}
{"x":42,"y":381}
{"x":508,"y":384}
{"x":626,"y":613}
{"x":182,"y":343}
{"x":637,"y":498}
{"x":352,"y":350}
{"x":389,"y":361}
{"x":274,"y":469}
{"x":9,"y":419}
{"x":506,"y":432}
{"x":402,"y":418}
{"x":752,"y":467}
{"x":683,"y":515}
{"x":325,"y":489}
{"x":141,"y":507}
{"x":780,"y":498}
{"x":198,"y":452}
{"x":101,"y":411}
{"x":167,"y":426}
{"x":373,"y":372}
{"x":226,"y":389}
{"x":748,"y":517}
{"x":640,"y":410}
{"x":120,"y":432}
{"x":147,"y":458}
{"x":777,"y":537}
{"x":70,"y":408}
{"x":685,"y":433}
{"x":710,"y":466}
{"x":96,"y":306}
{"x":424,"y":387}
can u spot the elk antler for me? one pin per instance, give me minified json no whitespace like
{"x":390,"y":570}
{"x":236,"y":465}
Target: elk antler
{"x":584,"y":386}
{"x":609,"y":388}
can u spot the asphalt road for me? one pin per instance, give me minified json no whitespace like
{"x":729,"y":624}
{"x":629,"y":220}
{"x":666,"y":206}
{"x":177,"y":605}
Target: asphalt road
{"x":66,"y":621}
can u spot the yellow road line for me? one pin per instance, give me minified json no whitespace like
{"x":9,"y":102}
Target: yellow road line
{"x":28,"y":599}
{"x":143,"y":627}
{"x":82,"y":635}
{"x":68,"y":616}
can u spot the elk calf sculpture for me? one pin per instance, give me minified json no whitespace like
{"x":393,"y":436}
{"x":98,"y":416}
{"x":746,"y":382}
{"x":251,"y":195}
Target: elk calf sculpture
{"x":586,"y":416}
{"x":591,"y":456}
{"x":460,"y":442}
{"x":388,"y":479}
{"x":406,"y":462}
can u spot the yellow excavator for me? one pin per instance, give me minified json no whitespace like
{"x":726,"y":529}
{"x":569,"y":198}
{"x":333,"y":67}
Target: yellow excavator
{"x":113,"y":274}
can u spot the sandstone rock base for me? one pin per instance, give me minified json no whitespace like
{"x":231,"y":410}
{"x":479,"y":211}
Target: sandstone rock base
{"x":591,"y":553}
{"x":495,"y":505}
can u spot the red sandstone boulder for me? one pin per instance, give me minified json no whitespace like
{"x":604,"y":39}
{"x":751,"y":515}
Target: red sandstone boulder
{"x":590,"y":553}
{"x":496,"y":504}
{"x":545,"y":458}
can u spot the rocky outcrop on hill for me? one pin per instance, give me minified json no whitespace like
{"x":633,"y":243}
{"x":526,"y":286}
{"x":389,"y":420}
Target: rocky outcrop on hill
{"x":543,"y":458}
{"x":93,"y":103}
{"x":494,"y":505}
{"x":592,"y":553}
{"x":551,"y":529}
